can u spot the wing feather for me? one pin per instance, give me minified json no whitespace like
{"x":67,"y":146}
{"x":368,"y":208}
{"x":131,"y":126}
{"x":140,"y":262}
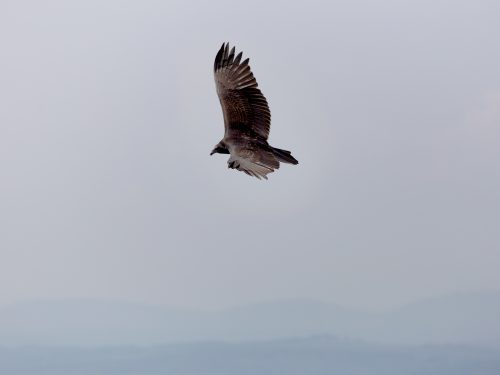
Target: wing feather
{"x":254,"y":159}
{"x":238,"y":59}
{"x":244,"y":106}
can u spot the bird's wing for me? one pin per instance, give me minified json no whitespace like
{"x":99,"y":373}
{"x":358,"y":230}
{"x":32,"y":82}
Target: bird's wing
{"x":253,"y":159}
{"x":244,"y":107}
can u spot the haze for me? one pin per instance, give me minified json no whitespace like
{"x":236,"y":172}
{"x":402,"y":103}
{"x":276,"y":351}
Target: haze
{"x":108,"y":114}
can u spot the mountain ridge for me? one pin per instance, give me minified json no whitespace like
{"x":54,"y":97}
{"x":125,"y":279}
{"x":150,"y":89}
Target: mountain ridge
{"x":461,"y":318}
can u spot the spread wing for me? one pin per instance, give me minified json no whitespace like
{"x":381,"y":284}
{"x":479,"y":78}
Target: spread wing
{"x":253,"y":159}
{"x":244,"y":107}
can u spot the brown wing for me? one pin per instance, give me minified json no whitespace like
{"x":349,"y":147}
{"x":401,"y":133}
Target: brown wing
{"x":244,"y":107}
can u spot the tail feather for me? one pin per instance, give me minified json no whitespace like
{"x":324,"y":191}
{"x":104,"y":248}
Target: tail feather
{"x":284,"y":156}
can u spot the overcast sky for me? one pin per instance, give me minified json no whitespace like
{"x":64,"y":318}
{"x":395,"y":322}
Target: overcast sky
{"x":108,"y":114}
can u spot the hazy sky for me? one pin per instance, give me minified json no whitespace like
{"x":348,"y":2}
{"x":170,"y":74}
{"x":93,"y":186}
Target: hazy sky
{"x":108,"y":114}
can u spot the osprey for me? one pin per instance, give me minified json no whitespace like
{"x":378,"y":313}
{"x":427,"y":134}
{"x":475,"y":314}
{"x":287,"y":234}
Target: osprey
{"x":247,"y":118}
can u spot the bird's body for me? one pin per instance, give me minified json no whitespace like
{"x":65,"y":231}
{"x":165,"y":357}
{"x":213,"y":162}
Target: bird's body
{"x":247,"y":119}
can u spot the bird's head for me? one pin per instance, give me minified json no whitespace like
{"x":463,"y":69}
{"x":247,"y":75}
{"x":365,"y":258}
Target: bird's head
{"x":220,"y":148}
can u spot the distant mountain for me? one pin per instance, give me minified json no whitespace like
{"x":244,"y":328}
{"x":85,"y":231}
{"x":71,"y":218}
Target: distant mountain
{"x":471,"y":317}
{"x":313,"y":356}
{"x":467,"y":318}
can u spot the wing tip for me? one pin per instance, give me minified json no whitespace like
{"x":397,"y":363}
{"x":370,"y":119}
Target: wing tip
{"x":226,"y":56}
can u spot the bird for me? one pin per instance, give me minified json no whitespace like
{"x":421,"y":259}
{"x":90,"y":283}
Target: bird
{"x":247,"y":118}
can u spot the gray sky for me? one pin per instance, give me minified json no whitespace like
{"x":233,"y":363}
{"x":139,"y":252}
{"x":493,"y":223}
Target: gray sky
{"x":108,"y":114}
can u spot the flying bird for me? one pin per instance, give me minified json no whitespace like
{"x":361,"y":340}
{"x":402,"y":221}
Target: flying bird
{"x":247,"y":118}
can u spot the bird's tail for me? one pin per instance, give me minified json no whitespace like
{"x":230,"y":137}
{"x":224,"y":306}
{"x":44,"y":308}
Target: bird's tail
{"x":284,"y":156}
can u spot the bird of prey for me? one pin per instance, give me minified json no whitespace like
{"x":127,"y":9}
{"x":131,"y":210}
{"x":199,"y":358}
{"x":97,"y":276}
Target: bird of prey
{"x":247,"y":118}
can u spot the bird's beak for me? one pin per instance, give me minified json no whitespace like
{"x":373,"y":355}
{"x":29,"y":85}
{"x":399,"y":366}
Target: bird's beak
{"x":213,"y":152}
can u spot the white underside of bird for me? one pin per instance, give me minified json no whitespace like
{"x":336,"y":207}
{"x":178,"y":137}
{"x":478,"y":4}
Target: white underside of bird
{"x":251,"y":168}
